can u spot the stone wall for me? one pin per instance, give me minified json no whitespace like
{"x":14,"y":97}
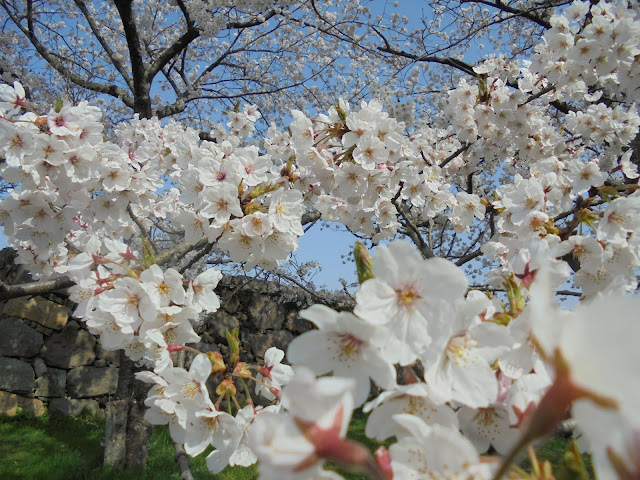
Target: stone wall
{"x":48,"y":358}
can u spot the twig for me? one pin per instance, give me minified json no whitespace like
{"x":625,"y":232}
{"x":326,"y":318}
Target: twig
{"x":462,"y":149}
{"x":196,"y":257}
{"x":143,"y":231}
{"x":485,"y":288}
{"x":412,"y":230}
{"x":466,"y":258}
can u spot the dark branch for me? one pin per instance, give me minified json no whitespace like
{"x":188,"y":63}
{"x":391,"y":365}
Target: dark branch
{"x":58,"y":65}
{"x":141,"y":78}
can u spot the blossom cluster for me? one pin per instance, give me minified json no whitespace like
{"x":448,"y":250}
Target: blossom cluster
{"x":486,"y":383}
{"x":136,"y":306}
{"x":72,"y":185}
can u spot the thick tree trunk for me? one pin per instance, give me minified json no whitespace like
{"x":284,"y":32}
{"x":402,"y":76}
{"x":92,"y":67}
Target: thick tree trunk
{"x":138,"y":430}
{"x":181,"y":457}
{"x":115,"y":442}
{"x":127,"y":433}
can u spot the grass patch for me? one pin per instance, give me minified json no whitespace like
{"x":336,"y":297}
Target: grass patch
{"x":53,"y":447}
{"x":555,"y":450}
{"x":48,"y":447}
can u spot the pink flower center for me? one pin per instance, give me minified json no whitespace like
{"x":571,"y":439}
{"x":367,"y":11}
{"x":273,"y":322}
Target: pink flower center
{"x":349,"y":344}
{"x":407,"y":295}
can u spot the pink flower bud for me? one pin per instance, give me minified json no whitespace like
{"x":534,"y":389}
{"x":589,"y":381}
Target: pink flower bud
{"x":383,"y":460}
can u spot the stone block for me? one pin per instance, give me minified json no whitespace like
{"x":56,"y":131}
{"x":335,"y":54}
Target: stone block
{"x":39,"y":366}
{"x":264,"y":313}
{"x":218,"y":324}
{"x":260,"y":343}
{"x":296,"y":324}
{"x":18,"y":339}
{"x":10,"y":403}
{"x":16,"y":376}
{"x":51,"y":384}
{"x":111,"y":356}
{"x":232,"y":304}
{"x":45,"y":312}
{"x":73,"y":407}
{"x":44,"y":330}
{"x":92,"y":381}
{"x":70,"y":348}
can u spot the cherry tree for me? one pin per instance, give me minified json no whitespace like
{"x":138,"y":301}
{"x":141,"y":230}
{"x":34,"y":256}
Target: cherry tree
{"x":193,"y":58}
{"x":517,"y":182}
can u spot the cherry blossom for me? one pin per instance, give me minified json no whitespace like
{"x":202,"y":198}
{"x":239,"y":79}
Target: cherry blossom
{"x":522,"y":174}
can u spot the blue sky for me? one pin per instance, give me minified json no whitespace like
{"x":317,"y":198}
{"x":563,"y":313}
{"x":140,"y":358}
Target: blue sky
{"x":327,"y":245}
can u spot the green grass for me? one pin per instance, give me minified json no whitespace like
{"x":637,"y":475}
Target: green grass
{"x":63,"y":448}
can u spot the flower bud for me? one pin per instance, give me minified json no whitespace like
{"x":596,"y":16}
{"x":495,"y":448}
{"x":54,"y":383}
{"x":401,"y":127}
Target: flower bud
{"x":502,"y":318}
{"x":607,"y":193}
{"x":514,"y":293}
{"x":587,"y":217}
{"x":383,"y":460}
{"x":217,"y":362}
{"x":364,"y":263}
{"x":262,"y":190}
{"x":226,"y":386}
{"x":147,"y":253}
{"x":251,"y":207}
{"x":59,"y":104}
{"x":241,"y":370}
{"x":233,"y":341}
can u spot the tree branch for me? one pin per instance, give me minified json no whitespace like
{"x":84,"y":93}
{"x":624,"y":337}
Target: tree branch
{"x":468,"y":257}
{"x":311,"y":216}
{"x":105,"y":46}
{"x":143,"y":231}
{"x":462,"y":149}
{"x":528,"y":14}
{"x":452,"y":62}
{"x":59,"y":67}
{"x":34,"y":288}
{"x":412,"y":229}
{"x":182,"y":460}
{"x":141,"y":77}
{"x":173,"y":50}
